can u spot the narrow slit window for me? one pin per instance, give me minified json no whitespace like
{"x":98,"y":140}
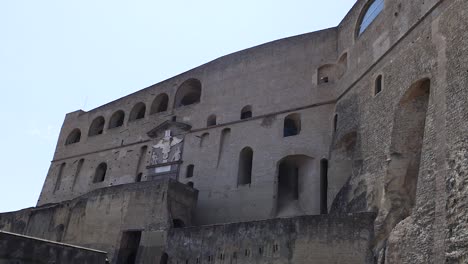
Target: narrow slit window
{"x":378,"y":85}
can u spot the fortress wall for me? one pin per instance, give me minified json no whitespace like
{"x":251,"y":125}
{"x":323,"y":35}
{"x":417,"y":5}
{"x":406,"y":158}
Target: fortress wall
{"x":307,"y":239}
{"x":99,"y":218}
{"x":27,"y":250}
{"x":216,"y":164}
{"x":272,"y":78}
{"x":366,"y":145}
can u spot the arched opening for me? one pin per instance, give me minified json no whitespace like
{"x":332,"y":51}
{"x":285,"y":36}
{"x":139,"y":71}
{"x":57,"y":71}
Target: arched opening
{"x":78,"y":172}
{"x":293,"y":199}
{"x":342,"y":65}
{"x":189,"y":172}
{"x":323,"y":186}
{"x":188,"y":93}
{"x":100,"y":174}
{"x":371,"y":11}
{"x":164,"y":258}
{"x":292,"y":125}
{"x":204,"y":139}
{"x":223,"y":144}
{"x":138,"y":112}
{"x":97,"y":126}
{"x":58,"y":182}
{"x":117,"y":119}
{"x":211,"y":121}
{"x":190,"y":184}
{"x":139,"y":177}
{"x":245,"y":166}
{"x":405,"y":153}
{"x":246,"y":112}
{"x":178,"y":223}
{"x":378,"y":85}
{"x":73,"y":137}
{"x":160,"y":104}
{"x":129,"y":247}
{"x":326,"y":74}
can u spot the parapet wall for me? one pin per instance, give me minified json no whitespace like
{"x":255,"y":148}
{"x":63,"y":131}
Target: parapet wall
{"x":307,"y":239}
{"x":99,"y":219}
{"x":20,"y":249}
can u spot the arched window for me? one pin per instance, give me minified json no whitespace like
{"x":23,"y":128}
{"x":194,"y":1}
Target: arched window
{"x":246,"y":112}
{"x":73,"y":137}
{"x":117,"y":119}
{"x":189,"y":173}
{"x":138,"y":177}
{"x":97,"y":126}
{"x":245,"y":166}
{"x":371,"y":12}
{"x":211,"y":121}
{"x":378,"y":85}
{"x":100,"y":174}
{"x":138,"y":112}
{"x":292,"y":125}
{"x":188,"y":93}
{"x":326,"y":73}
{"x":160,"y":104}
{"x":58,"y":182}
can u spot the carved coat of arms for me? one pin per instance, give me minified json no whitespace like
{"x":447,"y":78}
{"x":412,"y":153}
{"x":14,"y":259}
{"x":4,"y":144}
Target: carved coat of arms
{"x":167,"y":149}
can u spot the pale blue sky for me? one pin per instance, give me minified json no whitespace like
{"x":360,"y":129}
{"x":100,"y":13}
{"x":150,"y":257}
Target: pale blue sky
{"x":58,"y":56}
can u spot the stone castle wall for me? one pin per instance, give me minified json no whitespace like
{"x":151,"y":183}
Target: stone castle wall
{"x":385,"y":111}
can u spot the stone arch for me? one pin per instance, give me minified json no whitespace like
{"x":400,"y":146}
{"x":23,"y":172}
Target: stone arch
{"x":292,"y":125}
{"x":369,"y":13}
{"x":326,"y":74}
{"x":188,"y":93}
{"x":246,"y":112}
{"x":58,"y":181}
{"x":100,"y":173}
{"x":204,"y":139}
{"x":298,"y":188}
{"x":160,"y":104}
{"x":117,"y":119}
{"x":97,"y":126}
{"x":342,"y":65}
{"x":244,"y":175}
{"x":138,"y":112}
{"x":406,"y":146}
{"x":73,"y":137}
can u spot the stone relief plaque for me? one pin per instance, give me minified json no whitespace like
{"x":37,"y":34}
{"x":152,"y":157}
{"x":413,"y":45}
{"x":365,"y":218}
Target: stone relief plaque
{"x":168,"y":149}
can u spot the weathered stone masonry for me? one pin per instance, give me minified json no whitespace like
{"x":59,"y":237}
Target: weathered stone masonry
{"x":347,"y":144}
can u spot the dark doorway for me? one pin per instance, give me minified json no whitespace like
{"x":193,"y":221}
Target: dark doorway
{"x":129,"y":247}
{"x":177,"y":223}
{"x":164,"y":258}
{"x":245,"y":166}
{"x":292,"y":196}
{"x":288,"y":189}
{"x":323,"y":186}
